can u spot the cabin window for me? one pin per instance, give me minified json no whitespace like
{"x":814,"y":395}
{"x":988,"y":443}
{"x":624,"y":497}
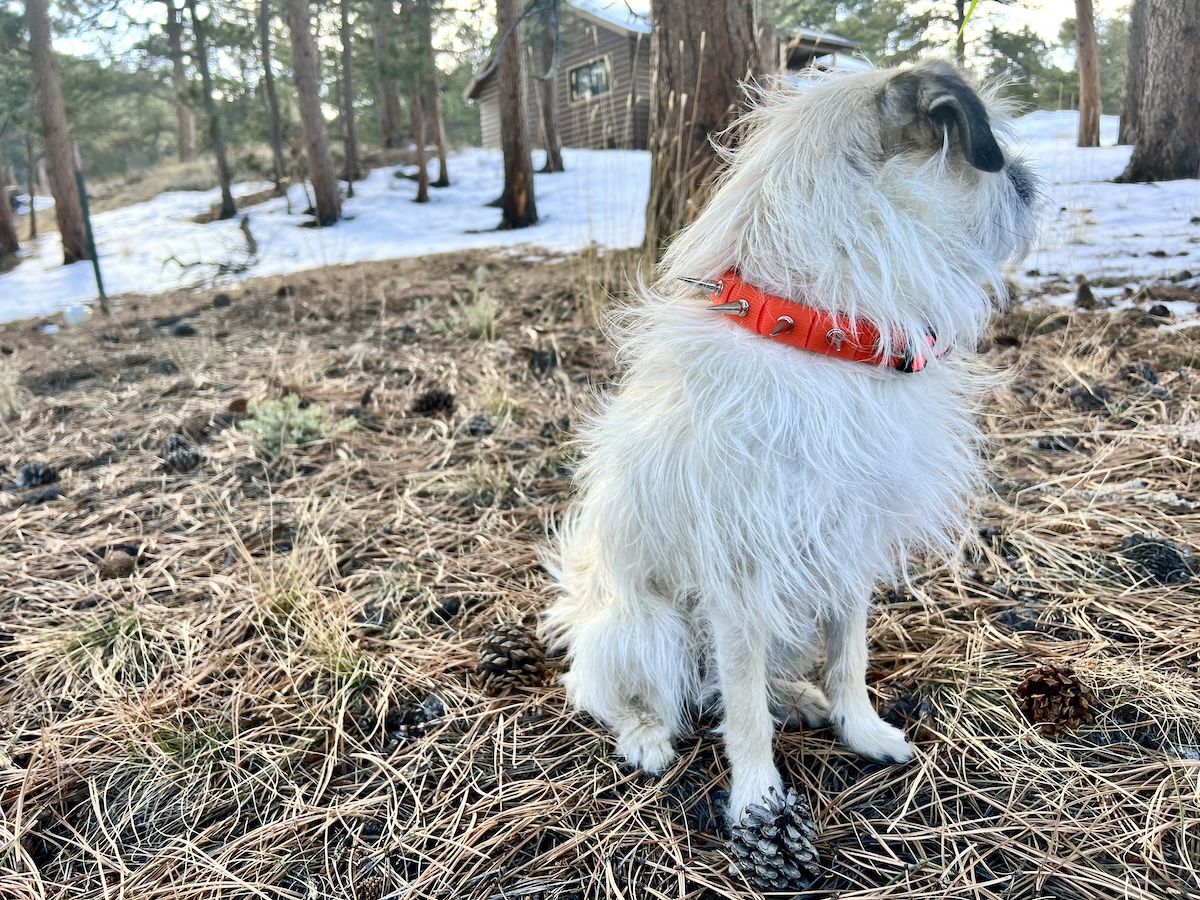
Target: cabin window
{"x":590,"y":80}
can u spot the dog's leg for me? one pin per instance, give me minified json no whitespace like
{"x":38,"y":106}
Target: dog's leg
{"x":799,"y":701}
{"x":748,"y":727}
{"x":634,"y":669}
{"x":846,"y":681}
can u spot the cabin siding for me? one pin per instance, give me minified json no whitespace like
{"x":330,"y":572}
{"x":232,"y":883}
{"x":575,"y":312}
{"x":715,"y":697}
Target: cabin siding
{"x":618,"y":118}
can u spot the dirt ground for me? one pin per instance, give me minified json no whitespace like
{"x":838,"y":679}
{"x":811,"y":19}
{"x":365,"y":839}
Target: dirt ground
{"x":244,"y":662}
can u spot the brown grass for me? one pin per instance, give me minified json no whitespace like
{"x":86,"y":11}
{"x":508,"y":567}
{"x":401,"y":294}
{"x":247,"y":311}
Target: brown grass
{"x":216,"y":724}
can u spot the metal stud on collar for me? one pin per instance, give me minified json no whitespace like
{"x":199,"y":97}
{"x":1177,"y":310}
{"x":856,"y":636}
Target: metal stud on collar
{"x":713,"y":287}
{"x":783,"y":325}
{"x":835,"y":337}
{"x":736,"y":308}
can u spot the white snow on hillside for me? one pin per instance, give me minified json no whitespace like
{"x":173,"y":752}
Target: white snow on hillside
{"x":1092,"y":227}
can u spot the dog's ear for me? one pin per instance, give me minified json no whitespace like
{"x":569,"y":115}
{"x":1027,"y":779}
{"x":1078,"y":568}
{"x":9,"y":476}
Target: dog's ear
{"x":934,"y":96}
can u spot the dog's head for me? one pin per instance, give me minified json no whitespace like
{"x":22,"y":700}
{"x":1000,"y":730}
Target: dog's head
{"x":887,"y":194}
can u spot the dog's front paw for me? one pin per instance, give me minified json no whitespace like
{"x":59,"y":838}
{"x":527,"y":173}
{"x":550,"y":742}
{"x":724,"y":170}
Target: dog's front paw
{"x":647,"y":747}
{"x":875,"y":739}
{"x":757,"y":793}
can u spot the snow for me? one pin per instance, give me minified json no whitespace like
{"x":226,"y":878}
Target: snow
{"x":1092,"y":227}
{"x":632,"y":15}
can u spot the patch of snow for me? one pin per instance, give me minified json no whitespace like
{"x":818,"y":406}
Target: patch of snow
{"x":148,"y":248}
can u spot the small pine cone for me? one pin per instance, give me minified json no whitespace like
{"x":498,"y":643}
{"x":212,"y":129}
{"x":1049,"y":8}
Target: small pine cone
{"x":1053,"y":696}
{"x":36,"y":474}
{"x":369,"y":888}
{"x":510,"y":654}
{"x":434,"y":402}
{"x":773,"y":844}
{"x":179,"y":454}
{"x":1161,"y":560}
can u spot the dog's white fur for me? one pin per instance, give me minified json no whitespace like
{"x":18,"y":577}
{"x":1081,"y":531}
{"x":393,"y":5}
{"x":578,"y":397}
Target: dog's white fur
{"x":738,"y":499}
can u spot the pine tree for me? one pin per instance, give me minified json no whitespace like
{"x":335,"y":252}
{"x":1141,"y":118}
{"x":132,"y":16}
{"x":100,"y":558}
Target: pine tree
{"x":517,"y":205}
{"x":308,"y":91}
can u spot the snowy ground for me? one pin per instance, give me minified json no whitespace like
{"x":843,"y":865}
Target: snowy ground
{"x":1092,"y":227}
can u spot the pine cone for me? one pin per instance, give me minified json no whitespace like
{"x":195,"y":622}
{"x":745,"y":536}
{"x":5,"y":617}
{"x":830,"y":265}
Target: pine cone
{"x":772,"y":845}
{"x":434,"y":402}
{"x":1053,"y":696}
{"x":1161,"y":560}
{"x":36,"y":474}
{"x":179,"y":454}
{"x":510,"y":654}
{"x":369,"y":888}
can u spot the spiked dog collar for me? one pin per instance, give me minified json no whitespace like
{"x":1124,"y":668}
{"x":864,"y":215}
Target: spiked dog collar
{"x":788,"y":322}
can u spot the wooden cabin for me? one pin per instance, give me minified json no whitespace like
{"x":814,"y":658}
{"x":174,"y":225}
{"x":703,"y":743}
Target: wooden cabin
{"x":602,"y":84}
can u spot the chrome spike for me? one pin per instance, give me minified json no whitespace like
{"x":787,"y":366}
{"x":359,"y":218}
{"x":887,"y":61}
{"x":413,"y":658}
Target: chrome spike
{"x":736,"y":308}
{"x":713,"y":287}
{"x":784,"y":325}
{"x":835,"y":337}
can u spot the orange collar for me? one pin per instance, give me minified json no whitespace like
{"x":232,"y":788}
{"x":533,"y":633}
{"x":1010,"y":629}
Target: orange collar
{"x":787,"y":322}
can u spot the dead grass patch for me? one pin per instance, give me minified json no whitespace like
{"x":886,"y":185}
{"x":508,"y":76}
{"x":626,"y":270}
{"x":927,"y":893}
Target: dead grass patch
{"x":279,"y":699}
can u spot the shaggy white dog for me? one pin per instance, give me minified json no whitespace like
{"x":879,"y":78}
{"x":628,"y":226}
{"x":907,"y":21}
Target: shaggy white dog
{"x":739,"y":497}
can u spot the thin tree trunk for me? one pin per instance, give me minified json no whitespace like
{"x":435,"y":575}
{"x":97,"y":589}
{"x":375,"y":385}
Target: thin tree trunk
{"x":1088,"y":65}
{"x":184,"y":117}
{"x":9,"y":245}
{"x":517,"y":205}
{"x":960,"y":35}
{"x":228,"y":207}
{"x":1135,"y":75}
{"x":59,"y":150}
{"x":275,"y":125}
{"x":308,"y":86}
{"x":417,"y":109}
{"x":439,"y":125}
{"x":699,"y":55}
{"x":387,"y":89}
{"x":1167,"y":145}
{"x":353,"y":173}
{"x":547,"y":99}
{"x":29,"y":182}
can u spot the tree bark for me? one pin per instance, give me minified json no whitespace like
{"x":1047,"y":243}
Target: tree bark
{"x":29,"y":185}
{"x":417,"y":109}
{"x":699,"y":55}
{"x":548,"y":108}
{"x":438,"y":121}
{"x":308,"y":87}
{"x":353,"y":173}
{"x":216,"y":134}
{"x":1135,"y":75}
{"x":387,"y":88}
{"x":9,"y":245}
{"x":1088,"y":66}
{"x":1167,"y":143}
{"x":960,"y":34}
{"x":274,"y":123}
{"x":57,"y":133}
{"x":518,"y":208}
{"x":184,"y":117}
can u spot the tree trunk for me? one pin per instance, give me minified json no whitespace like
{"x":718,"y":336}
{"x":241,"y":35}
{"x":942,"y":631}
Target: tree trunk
{"x":353,"y":172}
{"x":417,"y":109}
{"x":9,"y":245}
{"x":699,"y":54}
{"x":275,"y":125}
{"x":59,"y":151}
{"x":547,"y":107}
{"x":185,"y":118}
{"x":438,"y":121}
{"x":960,"y":33}
{"x":517,"y":206}
{"x":1167,"y":143}
{"x":308,"y":87}
{"x":228,"y":207}
{"x":1088,"y":65}
{"x":29,"y":185}
{"x":1135,"y":75}
{"x":387,"y":88}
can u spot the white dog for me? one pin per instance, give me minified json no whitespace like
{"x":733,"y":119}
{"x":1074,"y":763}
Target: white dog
{"x":764,"y":464}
